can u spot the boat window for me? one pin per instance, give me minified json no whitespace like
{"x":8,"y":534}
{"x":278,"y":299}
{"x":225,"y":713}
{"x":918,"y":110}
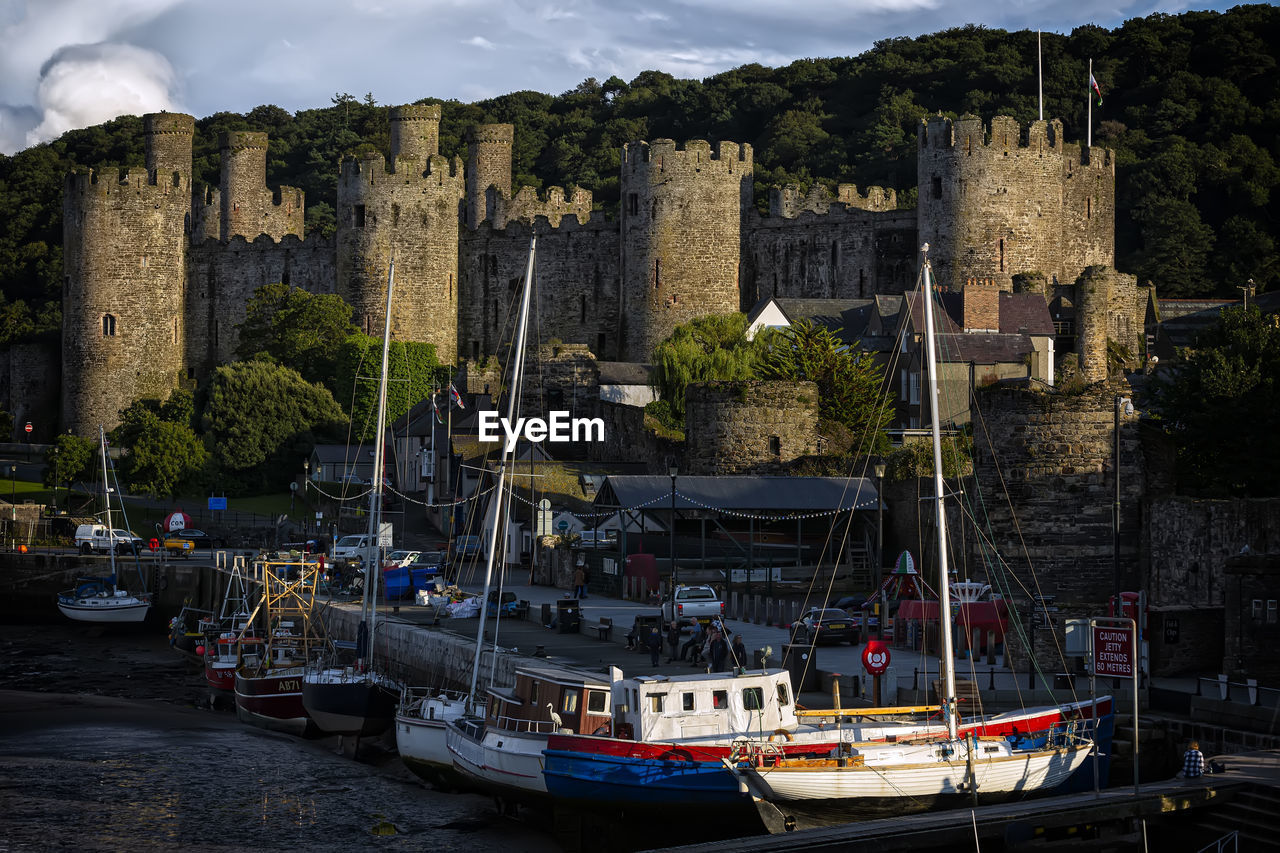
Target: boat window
{"x":753,"y":698}
{"x":533,"y":693}
{"x":719,"y":699}
{"x":597,"y":701}
{"x":572,"y":697}
{"x":688,"y":701}
{"x":783,"y":700}
{"x":655,"y":702}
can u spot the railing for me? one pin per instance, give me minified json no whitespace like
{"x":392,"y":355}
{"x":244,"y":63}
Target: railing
{"x":515,"y":724}
{"x":1230,"y":841}
{"x":1247,"y":692}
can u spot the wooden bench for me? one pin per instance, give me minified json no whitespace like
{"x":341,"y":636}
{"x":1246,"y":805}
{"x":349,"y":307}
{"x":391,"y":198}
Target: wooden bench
{"x":604,"y":627}
{"x":966,"y":691}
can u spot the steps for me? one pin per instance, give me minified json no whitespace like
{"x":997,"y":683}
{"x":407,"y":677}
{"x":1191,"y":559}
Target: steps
{"x":1254,"y":813}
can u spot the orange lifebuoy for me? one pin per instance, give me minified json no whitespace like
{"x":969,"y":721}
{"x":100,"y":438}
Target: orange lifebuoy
{"x":786,"y":735}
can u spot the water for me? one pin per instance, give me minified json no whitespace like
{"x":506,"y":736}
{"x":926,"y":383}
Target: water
{"x":120,"y":758}
{"x":217,"y":788}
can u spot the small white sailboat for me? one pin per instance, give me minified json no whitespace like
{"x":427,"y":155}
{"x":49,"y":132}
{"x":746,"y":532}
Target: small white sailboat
{"x":858,"y":778}
{"x":425,"y":720}
{"x":361,"y":699}
{"x":100,"y":599}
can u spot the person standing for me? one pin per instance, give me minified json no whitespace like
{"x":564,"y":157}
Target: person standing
{"x":654,"y":642}
{"x":673,"y":639}
{"x":1192,"y":762}
{"x":719,"y":650}
{"x":739,"y":652}
{"x":579,"y":583}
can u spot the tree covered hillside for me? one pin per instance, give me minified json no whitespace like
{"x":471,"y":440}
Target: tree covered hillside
{"x":1191,"y":105}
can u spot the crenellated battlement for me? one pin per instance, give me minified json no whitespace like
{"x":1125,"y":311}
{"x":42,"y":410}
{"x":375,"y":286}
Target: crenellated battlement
{"x":492,"y":134}
{"x":553,"y":205}
{"x":168,"y":123}
{"x":87,"y":183}
{"x":968,"y":134}
{"x":240,"y":140}
{"x":694,"y":155}
{"x":789,"y":202}
{"x":359,"y":173}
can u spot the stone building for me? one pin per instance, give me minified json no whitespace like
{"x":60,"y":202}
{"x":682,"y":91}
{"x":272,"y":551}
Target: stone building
{"x":159,"y":272}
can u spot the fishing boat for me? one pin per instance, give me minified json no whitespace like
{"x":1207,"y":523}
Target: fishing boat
{"x":863,"y":778}
{"x":360,"y":699}
{"x":669,"y":750}
{"x":100,"y":599}
{"x":223,"y":635}
{"x":270,"y":665}
{"x":425,"y":718}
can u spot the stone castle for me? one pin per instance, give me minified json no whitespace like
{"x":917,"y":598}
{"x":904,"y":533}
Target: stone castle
{"x":158,"y":271}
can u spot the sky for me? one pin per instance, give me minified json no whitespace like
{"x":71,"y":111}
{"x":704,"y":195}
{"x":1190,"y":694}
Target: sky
{"x":66,"y":64}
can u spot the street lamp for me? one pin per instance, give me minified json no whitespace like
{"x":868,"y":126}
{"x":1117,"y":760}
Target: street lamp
{"x":13,"y":491}
{"x":57,"y":475}
{"x":306,"y":477}
{"x":674,"y":472}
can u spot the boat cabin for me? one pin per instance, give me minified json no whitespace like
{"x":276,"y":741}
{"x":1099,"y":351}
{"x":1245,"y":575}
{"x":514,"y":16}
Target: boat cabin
{"x":666,"y":708}
{"x":547,"y":699}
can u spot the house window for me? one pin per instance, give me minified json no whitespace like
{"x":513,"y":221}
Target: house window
{"x":1271,"y":611}
{"x":1257,"y":609}
{"x":359,"y":210}
{"x":108,"y":325}
{"x":915,"y":389}
{"x":903,"y":392}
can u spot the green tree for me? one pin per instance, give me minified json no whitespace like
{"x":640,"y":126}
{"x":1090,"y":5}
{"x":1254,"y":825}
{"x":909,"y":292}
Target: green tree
{"x":262,"y":418}
{"x":296,"y":329}
{"x":163,"y":455}
{"x":1222,"y":407}
{"x":414,"y":372}
{"x":851,"y":388}
{"x":705,"y":349}
{"x":70,"y":458}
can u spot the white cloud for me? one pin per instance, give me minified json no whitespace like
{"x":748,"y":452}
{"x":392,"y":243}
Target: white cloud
{"x":87,"y":84}
{"x":480,"y":41}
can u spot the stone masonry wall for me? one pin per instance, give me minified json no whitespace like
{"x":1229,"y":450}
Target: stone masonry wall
{"x":749,"y":427}
{"x":29,"y":383}
{"x":1055,"y":472}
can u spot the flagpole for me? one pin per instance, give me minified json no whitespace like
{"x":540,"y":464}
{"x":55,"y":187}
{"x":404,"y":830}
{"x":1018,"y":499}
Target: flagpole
{"x":434,"y":417}
{"x":1040,"y":73}
{"x":1088,"y":97}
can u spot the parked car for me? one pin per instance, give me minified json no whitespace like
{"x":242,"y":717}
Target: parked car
{"x":187,"y":540}
{"x":693,"y":602}
{"x":92,"y":538}
{"x":399,"y":558}
{"x":825,"y":625}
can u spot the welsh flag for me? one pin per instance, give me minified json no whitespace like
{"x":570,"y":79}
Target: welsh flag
{"x":1093,"y":84}
{"x":457,"y":398}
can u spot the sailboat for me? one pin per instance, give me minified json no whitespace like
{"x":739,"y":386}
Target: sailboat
{"x":99,"y":599}
{"x":222,"y":637}
{"x":360,"y":699}
{"x":424,"y":717}
{"x":857,"y":778}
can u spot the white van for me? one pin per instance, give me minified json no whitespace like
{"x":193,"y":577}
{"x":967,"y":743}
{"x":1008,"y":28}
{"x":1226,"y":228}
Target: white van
{"x":91,"y":538}
{"x":356,"y":548}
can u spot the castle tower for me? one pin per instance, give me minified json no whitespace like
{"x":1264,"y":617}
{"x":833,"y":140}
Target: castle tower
{"x":410,"y":212}
{"x":488,"y":170}
{"x":124,"y":244}
{"x":415,"y":132}
{"x":248,"y":207}
{"x":993,"y":205}
{"x":681,"y":232}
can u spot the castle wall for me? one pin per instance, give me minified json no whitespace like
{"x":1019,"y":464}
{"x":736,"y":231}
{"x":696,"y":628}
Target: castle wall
{"x":681,"y":232}
{"x":842,"y":253}
{"x":1055,"y":462}
{"x":749,"y":427}
{"x":1106,"y":309}
{"x":575,"y":285}
{"x":29,"y":383}
{"x":994,"y":205}
{"x":125,"y":266}
{"x":223,"y":278}
{"x":415,"y":132}
{"x":411,"y":215}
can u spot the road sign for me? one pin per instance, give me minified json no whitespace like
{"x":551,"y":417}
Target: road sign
{"x":1113,"y":652}
{"x":217,"y":503}
{"x":563,"y":526}
{"x":28,"y":427}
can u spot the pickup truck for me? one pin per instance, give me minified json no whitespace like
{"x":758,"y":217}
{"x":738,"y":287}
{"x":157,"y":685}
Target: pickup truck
{"x":693,"y":602}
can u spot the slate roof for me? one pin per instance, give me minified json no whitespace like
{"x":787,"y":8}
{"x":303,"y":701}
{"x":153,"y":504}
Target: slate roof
{"x":784,"y":494}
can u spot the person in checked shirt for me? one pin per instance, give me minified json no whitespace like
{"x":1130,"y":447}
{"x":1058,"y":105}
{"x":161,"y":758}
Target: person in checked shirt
{"x":1192,"y":762}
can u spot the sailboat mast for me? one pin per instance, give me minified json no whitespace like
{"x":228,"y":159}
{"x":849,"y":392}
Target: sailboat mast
{"x":935,"y":419}
{"x":372,"y":573}
{"x":106,"y":498}
{"x":513,"y":399}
